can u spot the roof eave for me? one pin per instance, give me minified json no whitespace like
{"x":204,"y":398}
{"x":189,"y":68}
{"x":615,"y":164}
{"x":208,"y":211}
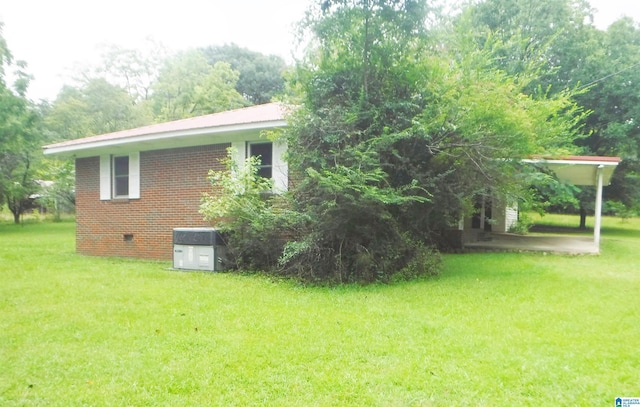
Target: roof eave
{"x":84,"y":149}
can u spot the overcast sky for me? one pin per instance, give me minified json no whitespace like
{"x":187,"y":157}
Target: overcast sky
{"x":53,"y":36}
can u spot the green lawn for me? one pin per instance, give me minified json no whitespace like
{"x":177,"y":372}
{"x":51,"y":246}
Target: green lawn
{"x":495,"y":329}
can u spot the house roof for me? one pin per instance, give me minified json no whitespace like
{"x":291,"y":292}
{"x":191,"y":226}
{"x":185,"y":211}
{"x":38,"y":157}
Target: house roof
{"x":579,"y":169}
{"x":209,"y":129}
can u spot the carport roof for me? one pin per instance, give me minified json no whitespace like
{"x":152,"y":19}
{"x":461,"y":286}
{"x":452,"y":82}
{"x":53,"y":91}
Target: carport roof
{"x":579,"y":169}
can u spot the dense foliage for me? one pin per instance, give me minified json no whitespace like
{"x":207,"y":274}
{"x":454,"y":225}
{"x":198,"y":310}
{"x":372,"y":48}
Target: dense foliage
{"x":254,"y":228}
{"x":260,"y":76}
{"x":395,"y":135}
{"x":576,"y":54}
{"x":131,"y":88}
{"x":189,"y":86}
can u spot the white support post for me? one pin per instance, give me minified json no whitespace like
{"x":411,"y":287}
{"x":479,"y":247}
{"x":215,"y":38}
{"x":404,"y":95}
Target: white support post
{"x":598,"y":209}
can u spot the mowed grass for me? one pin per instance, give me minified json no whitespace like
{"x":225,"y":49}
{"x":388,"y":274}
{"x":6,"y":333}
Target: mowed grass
{"x":494,"y":329}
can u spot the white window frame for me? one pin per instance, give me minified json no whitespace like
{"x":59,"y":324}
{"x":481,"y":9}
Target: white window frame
{"x":107,"y":181}
{"x":279,"y":167}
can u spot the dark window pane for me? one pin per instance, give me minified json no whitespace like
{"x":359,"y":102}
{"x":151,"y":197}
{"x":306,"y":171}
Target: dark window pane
{"x":122,"y":186}
{"x":121,"y":166}
{"x":265,"y":172}
{"x":264,"y":150}
{"x":121,"y":176}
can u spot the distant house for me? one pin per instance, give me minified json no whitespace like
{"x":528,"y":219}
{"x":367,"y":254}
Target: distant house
{"x":133,"y":187}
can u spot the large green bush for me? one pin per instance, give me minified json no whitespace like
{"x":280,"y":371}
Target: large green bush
{"x":393,"y":136}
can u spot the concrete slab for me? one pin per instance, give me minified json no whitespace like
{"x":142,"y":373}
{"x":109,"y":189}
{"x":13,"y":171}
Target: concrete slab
{"x":537,"y":243}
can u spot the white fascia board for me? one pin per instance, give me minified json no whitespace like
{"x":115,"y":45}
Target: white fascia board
{"x":150,"y":138}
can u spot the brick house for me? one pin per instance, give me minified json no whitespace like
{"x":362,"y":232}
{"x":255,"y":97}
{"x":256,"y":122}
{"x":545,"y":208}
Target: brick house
{"x":134,"y":186}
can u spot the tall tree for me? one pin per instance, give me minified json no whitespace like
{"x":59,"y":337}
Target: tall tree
{"x":551,"y":34}
{"x":19,"y":146}
{"x":396,"y":134}
{"x":576,"y":54}
{"x":613,"y":97}
{"x":189,"y":86}
{"x":260,"y":76}
{"x":134,"y":70}
{"x":94,"y":107}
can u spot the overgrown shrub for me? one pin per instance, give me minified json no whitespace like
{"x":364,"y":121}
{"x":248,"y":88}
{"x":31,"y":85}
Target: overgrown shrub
{"x":242,"y":207}
{"x":350,"y":234}
{"x":353,"y":238}
{"x":393,"y":136}
{"x":315,"y":259}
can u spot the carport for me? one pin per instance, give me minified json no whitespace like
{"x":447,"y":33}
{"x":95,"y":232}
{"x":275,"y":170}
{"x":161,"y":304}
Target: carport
{"x":578,"y":170}
{"x":584,"y":171}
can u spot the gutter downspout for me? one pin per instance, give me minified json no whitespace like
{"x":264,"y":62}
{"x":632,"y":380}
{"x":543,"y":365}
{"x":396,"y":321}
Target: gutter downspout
{"x":598,"y":209}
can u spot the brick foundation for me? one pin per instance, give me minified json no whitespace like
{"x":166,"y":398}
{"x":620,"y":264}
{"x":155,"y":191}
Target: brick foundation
{"x":171,"y":186}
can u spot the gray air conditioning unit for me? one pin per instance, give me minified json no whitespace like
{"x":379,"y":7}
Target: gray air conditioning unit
{"x":198,"y":249}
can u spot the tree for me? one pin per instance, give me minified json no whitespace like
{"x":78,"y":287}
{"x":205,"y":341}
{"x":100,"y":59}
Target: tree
{"x":57,"y":187}
{"x":19,"y":146}
{"x":67,"y":117}
{"x":133,"y":69}
{"x":17,"y":170}
{"x":260,"y":76}
{"x":615,"y":102}
{"x":576,"y":54}
{"x":553,"y":34}
{"x":395,"y":135}
{"x":94,"y":107}
{"x":357,"y":86}
{"x":188,"y":86}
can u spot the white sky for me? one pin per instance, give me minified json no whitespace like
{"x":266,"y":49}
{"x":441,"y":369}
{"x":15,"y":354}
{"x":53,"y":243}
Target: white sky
{"x":54,"y":36}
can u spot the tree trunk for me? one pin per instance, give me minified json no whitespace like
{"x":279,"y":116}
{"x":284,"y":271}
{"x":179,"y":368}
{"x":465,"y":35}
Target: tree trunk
{"x":583,"y":218}
{"x":16,"y":218}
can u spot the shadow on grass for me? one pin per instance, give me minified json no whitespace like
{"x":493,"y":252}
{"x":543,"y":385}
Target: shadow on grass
{"x":611,"y":231}
{"x":615,"y":231}
{"x":612,"y":227}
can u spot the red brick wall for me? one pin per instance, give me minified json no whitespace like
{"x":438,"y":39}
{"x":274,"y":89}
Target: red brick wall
{"x":171,"y":185}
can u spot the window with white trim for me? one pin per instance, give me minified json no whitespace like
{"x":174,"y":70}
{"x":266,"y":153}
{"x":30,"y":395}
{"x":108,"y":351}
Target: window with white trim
{"x":274,"y":166}
{"x":265,"y":152}
{"x":120,"y":176}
